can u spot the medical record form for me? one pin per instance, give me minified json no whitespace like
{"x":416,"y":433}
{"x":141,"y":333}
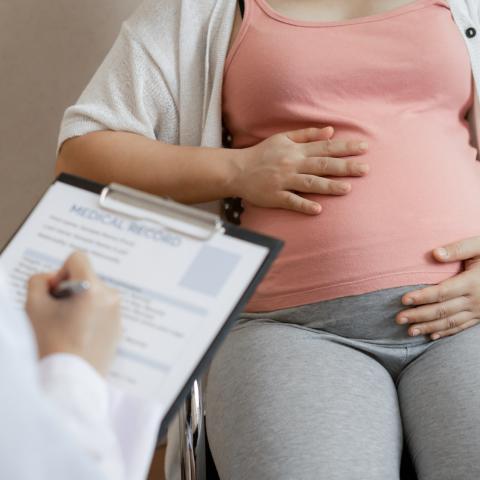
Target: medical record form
{"x":182,"y":274}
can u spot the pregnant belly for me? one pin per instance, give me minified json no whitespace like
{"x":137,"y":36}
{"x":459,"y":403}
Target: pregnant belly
{"x":382,"y":233}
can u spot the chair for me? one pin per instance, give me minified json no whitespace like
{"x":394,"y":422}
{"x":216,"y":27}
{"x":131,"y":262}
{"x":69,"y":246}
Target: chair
{"x":191,"y":424}
{"x":195,"y":456}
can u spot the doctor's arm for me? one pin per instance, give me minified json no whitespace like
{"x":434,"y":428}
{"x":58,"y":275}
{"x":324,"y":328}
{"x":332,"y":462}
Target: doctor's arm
{"x":76,"y":339}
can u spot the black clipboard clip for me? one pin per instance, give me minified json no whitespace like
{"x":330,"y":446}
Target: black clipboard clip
{"x":171,"y":215}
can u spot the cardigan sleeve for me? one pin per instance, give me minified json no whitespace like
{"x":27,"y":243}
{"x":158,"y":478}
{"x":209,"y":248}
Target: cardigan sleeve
{"x":134,"y":88}
{"x":474,"y":121}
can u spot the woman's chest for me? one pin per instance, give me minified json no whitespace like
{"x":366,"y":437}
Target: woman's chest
{"x":322,"y":10}
{"x":333,"y":10}
{"x":414,"y":55}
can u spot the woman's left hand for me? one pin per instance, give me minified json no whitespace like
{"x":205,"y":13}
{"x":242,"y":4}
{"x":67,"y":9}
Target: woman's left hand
{"x":454,"y":304}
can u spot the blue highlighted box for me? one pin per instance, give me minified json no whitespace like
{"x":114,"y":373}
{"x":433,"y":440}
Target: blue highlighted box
{"x":210,"y":270}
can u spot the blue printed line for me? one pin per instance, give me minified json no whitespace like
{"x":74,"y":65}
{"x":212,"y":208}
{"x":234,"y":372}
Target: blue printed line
{"x":42,"y":256}
{"x":143,"y":360}
{"x":200,"y":311}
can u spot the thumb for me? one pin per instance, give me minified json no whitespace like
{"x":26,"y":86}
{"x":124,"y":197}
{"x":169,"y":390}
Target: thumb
{"x":310,"y":134}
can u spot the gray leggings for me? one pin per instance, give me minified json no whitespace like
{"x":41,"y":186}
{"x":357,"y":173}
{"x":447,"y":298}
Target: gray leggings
{"x":327,"y":391}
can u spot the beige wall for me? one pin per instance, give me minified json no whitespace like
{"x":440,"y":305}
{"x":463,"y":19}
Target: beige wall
{"x":48,"y":51}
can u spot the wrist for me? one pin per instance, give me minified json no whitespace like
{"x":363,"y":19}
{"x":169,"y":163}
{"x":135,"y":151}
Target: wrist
{"x":236,"y":161}
{"x":60,"y":346}
{"x":99,"y":362}
{"x":46,"y":349}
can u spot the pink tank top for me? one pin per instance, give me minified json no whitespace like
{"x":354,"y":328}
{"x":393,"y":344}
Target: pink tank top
{"x":400,"y":80}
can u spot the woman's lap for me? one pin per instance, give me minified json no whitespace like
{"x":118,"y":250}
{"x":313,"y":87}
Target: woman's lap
{"x":291,"y":401}
{"x":284,"y":402}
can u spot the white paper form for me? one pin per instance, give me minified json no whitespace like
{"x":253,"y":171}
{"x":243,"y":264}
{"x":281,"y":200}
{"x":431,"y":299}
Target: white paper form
{"x":177,"y":291}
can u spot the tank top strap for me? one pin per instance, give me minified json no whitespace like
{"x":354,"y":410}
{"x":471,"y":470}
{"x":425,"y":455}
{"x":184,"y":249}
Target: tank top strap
{"x":251,"y":11}
{"x":241,"y":4}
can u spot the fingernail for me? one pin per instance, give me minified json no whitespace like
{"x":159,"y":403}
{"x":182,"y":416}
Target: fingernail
{"x":344,"y":187}
{"x":402,"y":320}
{"x":442,"y":252}
{"x":435,"y":336}
{"x":363,"y":145}
{"x":408,"y":301}
{"x":362,"y":168}
{"x":415,"y":332}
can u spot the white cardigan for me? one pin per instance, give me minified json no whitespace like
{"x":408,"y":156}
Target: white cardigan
{"x":163,"y":79}
{"x":163,"y":76}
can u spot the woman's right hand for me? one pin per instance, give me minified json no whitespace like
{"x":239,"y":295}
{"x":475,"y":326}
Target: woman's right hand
{"x":269,"y":173}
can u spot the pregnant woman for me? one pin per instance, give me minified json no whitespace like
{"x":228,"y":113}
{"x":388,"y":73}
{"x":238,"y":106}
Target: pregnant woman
{"x":365,"y":331}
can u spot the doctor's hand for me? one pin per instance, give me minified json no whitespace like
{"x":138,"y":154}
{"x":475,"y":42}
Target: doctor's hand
{"x":275,"y":172}
{"x":454,"y":304}
{"x":86,"y":324}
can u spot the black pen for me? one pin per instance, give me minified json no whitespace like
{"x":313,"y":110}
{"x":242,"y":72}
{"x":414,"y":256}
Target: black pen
{"x":68,"y":288}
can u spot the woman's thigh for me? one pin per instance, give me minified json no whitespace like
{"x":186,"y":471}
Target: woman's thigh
{"x":439,"y":395}
{"x":287,"y":402}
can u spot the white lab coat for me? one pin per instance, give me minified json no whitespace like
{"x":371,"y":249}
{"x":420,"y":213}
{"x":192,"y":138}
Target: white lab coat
{"x":59,"y":419}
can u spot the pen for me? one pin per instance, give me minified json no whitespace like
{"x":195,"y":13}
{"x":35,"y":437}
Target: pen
{"x":68,"y":288}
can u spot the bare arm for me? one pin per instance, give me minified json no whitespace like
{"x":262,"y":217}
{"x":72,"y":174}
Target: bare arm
{"x":186,"y":174}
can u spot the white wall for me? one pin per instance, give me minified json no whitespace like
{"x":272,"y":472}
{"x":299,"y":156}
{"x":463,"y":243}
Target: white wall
{"x":49,"y":49}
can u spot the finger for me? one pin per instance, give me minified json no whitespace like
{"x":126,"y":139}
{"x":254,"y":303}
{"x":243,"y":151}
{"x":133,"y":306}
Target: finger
{"x":313,"y":134}
{"x":334,"y":148}
{"x":435,"y":311}
{"x":461,"y":250}
{"x":338,"y":167}
{"x":451,"y":288}
{"x":453,"y":331}
{"x":291,"y":201}
{"x":312,"y":184}
{"x":76,"y":267}
{"x":440,"y":325}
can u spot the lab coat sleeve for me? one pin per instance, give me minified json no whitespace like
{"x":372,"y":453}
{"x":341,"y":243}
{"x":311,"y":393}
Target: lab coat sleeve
{"x":81,"y":398}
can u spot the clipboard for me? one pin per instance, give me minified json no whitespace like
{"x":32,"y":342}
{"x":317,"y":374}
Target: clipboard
{"x":184,"y":221}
